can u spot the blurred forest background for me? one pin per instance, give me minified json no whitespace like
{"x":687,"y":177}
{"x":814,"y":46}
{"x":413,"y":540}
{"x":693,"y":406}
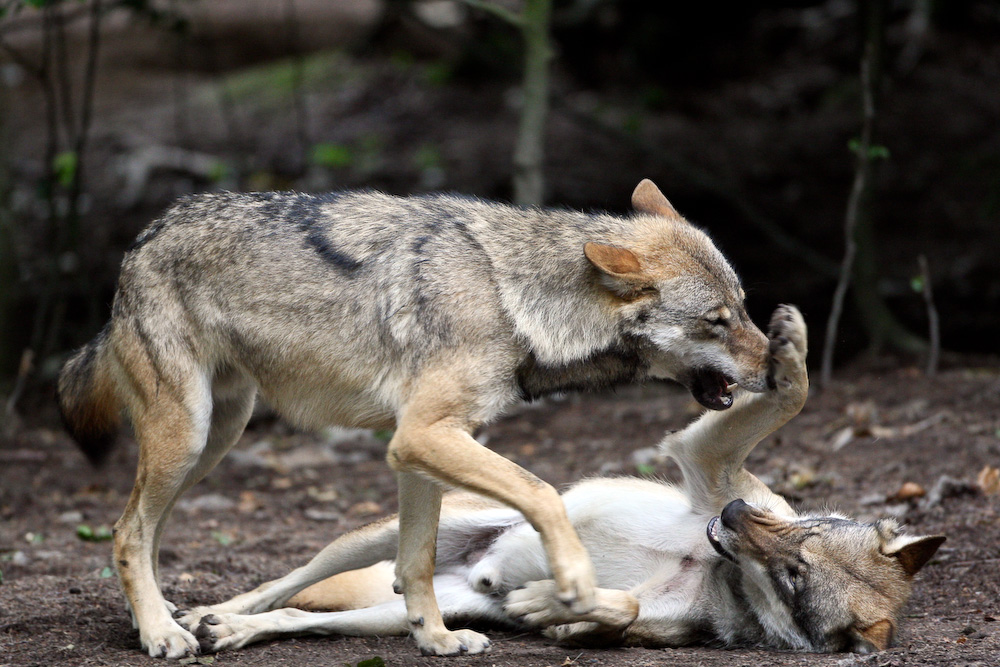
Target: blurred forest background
{"x":786,"y":128}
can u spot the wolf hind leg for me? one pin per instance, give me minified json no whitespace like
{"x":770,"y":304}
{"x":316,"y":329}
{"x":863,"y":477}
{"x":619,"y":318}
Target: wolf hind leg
{"x":170,"y":419}
{"x":360,"y":548}
{"x":184,"y":422}
{"x":219,"y":632}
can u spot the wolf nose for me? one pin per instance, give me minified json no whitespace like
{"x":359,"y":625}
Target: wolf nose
{"x":731,"y":513}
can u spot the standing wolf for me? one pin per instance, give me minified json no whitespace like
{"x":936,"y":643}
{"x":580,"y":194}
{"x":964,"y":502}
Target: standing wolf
{"x":427,"y":314}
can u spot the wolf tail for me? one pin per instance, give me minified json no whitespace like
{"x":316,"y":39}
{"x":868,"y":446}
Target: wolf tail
{"x":87,"y":399}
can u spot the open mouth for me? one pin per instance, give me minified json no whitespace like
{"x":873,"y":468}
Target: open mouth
{"x":711,"y":389}
{"x":713,"y":538}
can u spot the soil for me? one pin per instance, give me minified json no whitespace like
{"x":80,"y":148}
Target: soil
{"x":768,"y":133}
{"x":281,"y":495}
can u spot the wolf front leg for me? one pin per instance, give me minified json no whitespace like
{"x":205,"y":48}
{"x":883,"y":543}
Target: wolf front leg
{"x":434,"y":441}
{"x":419,"y":509}
{"x":712,"y":450}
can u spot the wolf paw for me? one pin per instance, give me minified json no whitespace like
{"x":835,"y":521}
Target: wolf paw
{"x":169,"y":641}
{"x":449,"y":643}
{"x":537,"y":604}
{"x":788,"y":346}
{"x":223,"y":631}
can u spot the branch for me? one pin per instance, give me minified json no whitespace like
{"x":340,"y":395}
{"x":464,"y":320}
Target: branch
{"x":34,"y":22}
{"x":932,"y":317}
{"x":502,"y":13}
{"x":861,"y":172}
{"x":529,"y":182}
{"x":22,"y":60}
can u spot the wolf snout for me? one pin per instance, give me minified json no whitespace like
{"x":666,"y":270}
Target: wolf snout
{"x":733,"y":513}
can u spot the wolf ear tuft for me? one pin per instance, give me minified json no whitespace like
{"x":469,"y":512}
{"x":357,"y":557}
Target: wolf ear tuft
{"x":914,"y":552}
{"x":647,"y":198}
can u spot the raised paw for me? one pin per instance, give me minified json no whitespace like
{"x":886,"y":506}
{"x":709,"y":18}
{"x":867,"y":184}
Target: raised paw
{"x":787,"y":334}
{"x":451,"y":643}
{"x":538,"y":604}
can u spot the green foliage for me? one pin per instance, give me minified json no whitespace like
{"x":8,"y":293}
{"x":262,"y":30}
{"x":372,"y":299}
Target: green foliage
{"x":65,"y":166}
{"x":917,"y":284}
{"x":633,"y":123}
{"x":224,"y":539}
{"x":402,"y":60}
{"x":106,"y":572}
{"x":276,"y":82}
{"x":654,"y":98}
{"x":438,"y":73}
{"x":428,"y":156}
{"x":219,"y":172}
{"x":385,"y":435}
{"x":646,"y":469}
{"x":332,"y":156}
{"x":372,"y":662}
{"x":874,"y":152}
{"x":88,"y":534}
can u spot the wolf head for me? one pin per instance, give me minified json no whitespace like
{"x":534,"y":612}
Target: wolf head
{"x":822,"y":583}
{"x":676,"y":293}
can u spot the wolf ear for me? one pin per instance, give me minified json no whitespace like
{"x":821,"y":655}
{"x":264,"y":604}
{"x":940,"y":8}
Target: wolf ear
{"x":914,"y":552}
{"x":612,"y":260}
{"x":647,"y":198}
{"x":620,"y":269}
{"x":876,"y":637}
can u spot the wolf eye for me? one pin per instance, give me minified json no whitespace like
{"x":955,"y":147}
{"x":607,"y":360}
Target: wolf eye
{"x":717,"y":320}
{"x":794,"y":579}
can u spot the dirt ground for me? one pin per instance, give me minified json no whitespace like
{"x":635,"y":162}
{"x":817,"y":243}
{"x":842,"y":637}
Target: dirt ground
{"x":770,"y":135}
{"x":281,"y":495}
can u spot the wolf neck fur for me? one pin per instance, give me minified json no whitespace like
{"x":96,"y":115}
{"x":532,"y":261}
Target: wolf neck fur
{"x":727,"y":609}
{"x":548,"y":288}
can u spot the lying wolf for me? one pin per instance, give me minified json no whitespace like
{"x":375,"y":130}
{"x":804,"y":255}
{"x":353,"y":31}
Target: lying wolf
{"x":720,"y":559}
{"x":429,"y":315}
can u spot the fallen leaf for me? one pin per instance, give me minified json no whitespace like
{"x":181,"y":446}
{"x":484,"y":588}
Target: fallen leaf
{"x":802,"y":478}
{"x":988,"y":480}
{"x":364,"y":508}
{"x":325,"y":495}
{"x":908,"y":491}
{"x":248,"y":502}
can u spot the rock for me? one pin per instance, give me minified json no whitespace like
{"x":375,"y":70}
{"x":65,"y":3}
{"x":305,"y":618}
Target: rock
{"x":322,"y":515}
{"x":210,"y":502}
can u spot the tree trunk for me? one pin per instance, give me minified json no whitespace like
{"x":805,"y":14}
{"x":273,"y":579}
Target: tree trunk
{"x":529,"y":182}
